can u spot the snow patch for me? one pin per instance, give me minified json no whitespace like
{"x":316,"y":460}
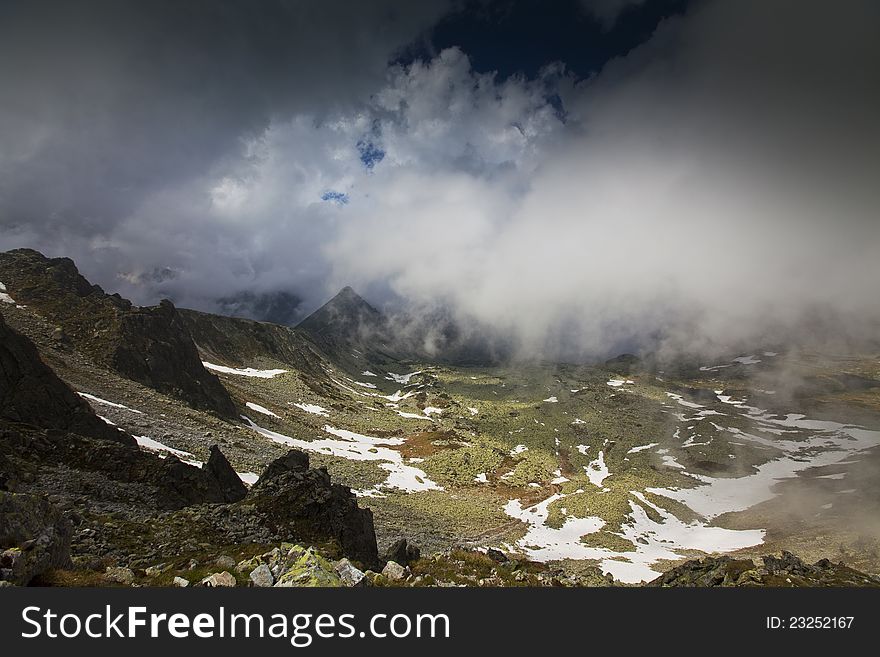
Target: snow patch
{"x":314,"y":409}
{"x":597,"y":471}
{"x":260,"y":409}
{"x":248,"y":478}
{"x":641,"y":448}
{"x":150,"y":445}
{"x":4,"y":297}
{"x":247,"y":371}
{"x":402,"y":379}
{"x":108,"y":403}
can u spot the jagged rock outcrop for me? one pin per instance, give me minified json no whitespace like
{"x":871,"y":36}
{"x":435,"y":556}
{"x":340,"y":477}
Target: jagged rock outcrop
{"x":34,"y":537}
{"x":31,"y":393}
{"x":231,"y":486}
{"x":783,"y":570}
{"x":172,"y":483}
{"x":181,"y":484}
{"x":302,"y":504}
{"x":148,"y":345}
{"x":155,"y":349}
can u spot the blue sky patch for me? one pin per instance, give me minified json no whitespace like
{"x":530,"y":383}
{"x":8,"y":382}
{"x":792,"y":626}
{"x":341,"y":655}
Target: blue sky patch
{"x":338,"y":198}
{"x":371,"y":154}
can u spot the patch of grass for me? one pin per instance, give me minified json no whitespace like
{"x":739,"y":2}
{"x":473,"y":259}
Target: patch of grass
{"x":460,"y":466}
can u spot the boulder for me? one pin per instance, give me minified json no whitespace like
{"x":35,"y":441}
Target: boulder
{"x":785,"y":569}
{"x":180,"y":583}
{"x":349,"y":575}
{"x":262,"y":576}
{"x":293,"y":461}
{"x":181,"y":484}
{"x":394,"y":571}
{"x":224,"y":579}
{"x":309,"y":570}
{"x":225,"y":562}
{"x":119,"y":575}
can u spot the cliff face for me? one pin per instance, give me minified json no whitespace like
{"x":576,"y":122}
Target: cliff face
{"x":155,"y":349}
{"x":147,"y":345}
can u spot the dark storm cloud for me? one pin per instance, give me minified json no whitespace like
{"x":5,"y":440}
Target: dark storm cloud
{"x":104,"y":103}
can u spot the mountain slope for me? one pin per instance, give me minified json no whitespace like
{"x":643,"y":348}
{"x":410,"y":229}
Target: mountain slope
{"x":130,"y":505}
{"x":147,"y":345}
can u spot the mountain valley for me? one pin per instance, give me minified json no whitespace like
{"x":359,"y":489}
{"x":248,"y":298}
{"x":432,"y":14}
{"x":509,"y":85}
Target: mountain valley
{"x":227,"y":439}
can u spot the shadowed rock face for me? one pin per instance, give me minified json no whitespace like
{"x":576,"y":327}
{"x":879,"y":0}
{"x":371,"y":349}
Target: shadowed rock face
{"x":231,"y":486}
{"x":147,"y":345}
{"x":34,"y":537}
{"x":302,"y":504}
{"x":402,"y":552}
{"x":31,"y":393}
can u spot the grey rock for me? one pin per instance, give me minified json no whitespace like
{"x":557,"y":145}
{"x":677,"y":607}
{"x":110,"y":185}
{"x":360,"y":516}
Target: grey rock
{"x":155,"y":571}
{"x":224,"y":579}
{"x":349,"y":575}
{"x":262,"y":576}
{"x":496,"y":555}
{"x":120,"y":575}
{"x":180,"y":583}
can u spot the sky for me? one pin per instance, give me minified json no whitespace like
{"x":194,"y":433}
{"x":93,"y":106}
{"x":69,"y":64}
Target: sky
{"x":576,"y":177}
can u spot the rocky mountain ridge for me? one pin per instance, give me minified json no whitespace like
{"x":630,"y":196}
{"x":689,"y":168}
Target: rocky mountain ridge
{"x":148,"y":345}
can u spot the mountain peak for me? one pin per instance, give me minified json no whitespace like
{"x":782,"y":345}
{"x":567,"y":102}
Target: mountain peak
{"x":347,"y":301}
{"x":348,"y":293}
{"x":345,"y":318}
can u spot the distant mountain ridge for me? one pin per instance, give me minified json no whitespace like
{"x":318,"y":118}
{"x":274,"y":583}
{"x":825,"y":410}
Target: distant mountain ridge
{"x":349,"y":322}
